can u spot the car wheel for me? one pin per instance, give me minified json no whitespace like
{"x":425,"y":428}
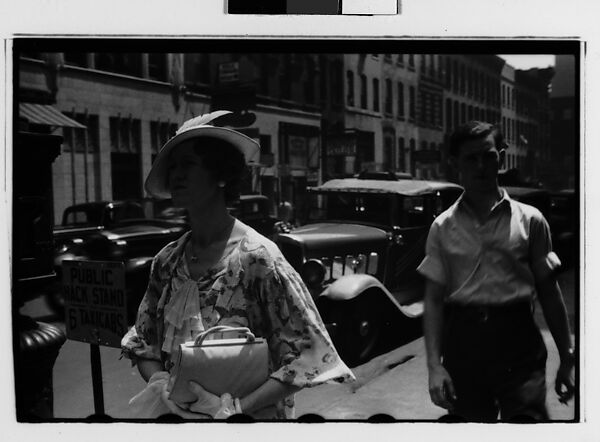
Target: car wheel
{"x":358,"y":329}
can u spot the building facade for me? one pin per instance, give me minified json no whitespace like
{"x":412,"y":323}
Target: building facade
{"x":316,"y":116}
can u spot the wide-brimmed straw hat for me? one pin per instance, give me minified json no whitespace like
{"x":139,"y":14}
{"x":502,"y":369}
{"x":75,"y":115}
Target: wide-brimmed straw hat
{"x":156,"y":182}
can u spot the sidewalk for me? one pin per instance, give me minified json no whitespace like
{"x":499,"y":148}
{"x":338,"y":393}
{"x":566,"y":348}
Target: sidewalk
{"x":393,"y":384}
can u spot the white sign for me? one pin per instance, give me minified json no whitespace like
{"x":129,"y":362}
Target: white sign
{"x":95,"y":301}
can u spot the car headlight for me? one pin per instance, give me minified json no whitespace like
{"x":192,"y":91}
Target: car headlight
{"x":313,"y":272}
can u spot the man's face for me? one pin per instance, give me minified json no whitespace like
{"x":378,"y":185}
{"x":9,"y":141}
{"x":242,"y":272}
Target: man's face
{"x":478,"y":164}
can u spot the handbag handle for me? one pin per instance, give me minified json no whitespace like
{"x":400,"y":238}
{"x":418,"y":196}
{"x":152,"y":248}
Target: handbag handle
{"x":224,"y":328}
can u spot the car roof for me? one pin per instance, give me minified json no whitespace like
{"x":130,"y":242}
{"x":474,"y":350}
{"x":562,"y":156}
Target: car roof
{"x":401,"y":187}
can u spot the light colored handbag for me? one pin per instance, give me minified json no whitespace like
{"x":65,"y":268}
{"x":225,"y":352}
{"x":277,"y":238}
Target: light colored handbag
{"x":236,"y":365}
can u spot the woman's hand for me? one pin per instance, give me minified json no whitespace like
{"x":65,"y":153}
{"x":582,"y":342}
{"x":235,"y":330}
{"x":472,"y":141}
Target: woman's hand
{"x":206,"y":404}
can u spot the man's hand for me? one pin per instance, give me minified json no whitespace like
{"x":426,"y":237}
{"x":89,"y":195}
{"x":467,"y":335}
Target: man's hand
{"x":565,"y":381}
{"x":441,"y":388}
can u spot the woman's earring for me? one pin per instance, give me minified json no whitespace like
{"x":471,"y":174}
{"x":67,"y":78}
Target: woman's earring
{"x":221,"y":184}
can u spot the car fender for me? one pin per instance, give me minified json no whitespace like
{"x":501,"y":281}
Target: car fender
{"x":350,"y":286}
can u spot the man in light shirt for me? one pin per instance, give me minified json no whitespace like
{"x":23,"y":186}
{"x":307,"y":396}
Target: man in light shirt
{"x":487,"y":258}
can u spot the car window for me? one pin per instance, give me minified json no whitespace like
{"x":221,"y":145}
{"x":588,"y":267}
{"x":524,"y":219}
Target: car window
{"x":413,"y":213}
{"x":81,"y":217}
{"x":76,"y":218}
{"x":125,"y":212}
{"x":360,"y":207}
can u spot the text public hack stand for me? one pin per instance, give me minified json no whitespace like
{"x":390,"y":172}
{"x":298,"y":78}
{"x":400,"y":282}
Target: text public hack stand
{"x":95,"y":311}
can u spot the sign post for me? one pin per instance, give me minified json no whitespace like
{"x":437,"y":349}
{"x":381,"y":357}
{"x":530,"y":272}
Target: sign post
{"x":95,"y":311}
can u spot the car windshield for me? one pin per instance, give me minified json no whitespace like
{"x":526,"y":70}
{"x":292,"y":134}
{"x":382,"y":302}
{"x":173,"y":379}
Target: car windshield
{"x":368,"y":208}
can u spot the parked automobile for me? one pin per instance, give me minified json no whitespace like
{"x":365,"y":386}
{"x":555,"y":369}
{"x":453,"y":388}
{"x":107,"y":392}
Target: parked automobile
{"x":255,"y":211}
{"x":122,"y":231}
{"x":109,"y":231}
{"x":561,"y":211}
{"x":564,"y":224}
{"x":358,"y":256}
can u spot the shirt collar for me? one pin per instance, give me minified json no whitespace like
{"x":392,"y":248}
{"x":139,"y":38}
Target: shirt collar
{"x":505,"y":200}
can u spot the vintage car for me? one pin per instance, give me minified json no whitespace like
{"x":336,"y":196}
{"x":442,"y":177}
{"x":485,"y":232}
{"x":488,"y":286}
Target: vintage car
{"x":358,"y":257}
{"x":564,"y":224}
{"x":254,"y":210}
{"x":560,"y":209}
{"x":109,"y":231}
{"x":125,"y":233}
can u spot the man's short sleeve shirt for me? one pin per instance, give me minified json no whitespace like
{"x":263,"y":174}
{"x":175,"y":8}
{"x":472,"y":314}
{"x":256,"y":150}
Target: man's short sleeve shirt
{"x":494,"y":262}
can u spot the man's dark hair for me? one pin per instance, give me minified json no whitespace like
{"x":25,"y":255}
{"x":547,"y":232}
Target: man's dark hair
{"x":474,"y":130}
{"x":225,"y":162}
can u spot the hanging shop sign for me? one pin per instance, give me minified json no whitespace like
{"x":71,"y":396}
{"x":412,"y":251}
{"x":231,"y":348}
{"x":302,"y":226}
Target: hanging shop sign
{"x":95,"y":301}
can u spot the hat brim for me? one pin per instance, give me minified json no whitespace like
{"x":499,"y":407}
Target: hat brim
{"x":156,"y":182}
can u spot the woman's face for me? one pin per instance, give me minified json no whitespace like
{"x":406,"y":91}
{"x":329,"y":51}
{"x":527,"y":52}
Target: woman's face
{"x":189,"y":182}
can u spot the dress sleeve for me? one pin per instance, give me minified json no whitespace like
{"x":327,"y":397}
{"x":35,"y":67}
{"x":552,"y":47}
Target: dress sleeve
{"x":301,"y":350}
{"x":543,"y":260}
{"x":432,"y":267}
{"x":141,"y":341}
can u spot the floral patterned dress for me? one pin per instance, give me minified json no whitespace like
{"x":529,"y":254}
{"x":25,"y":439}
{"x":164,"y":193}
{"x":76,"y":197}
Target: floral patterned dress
{"x":252,"y":286}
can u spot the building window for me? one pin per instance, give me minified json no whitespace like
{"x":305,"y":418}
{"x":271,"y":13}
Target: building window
{"x":160,"y":133}
{"x":157,"y":67}
{"x":336,"y":82}
{"x":455,"y":76}
{"x":375,"y":94}
{"x":431,"y":65}
{"x":400,"y":100}
{"x":350,"y":88}
{"x":387,"y":57}
{"x":401,"y":159}
{"x":469,"y":82}
{"x":121,"y":63}
{"x":448,"y":114}
{"x":411,"y":61}
{"x":80,"y":138}
{"x":423,"y":63}
{"x":196,"y":69}
{"x":448,"y":73}
{"x":389,"y":107}
{"x":363,"y":91}
{"x":455,"y":114}
{"x":323,"y":79}
{"x":470,"y":113}
{"x":411,"y":103}
{"x":463,"y":113}
{"x":400,"y":59}
{"x":125,"y":134}
{"x":309,"y":84}
{"x":285,"y":79}
{"x":388,"y":153}
{"x":463,"y":89}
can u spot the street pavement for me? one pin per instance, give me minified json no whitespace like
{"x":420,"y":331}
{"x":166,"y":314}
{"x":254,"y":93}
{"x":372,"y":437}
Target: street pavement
{"x":394,"y":384}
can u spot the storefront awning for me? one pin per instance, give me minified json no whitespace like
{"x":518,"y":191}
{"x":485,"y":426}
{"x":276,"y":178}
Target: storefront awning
{"x":46,"y":115}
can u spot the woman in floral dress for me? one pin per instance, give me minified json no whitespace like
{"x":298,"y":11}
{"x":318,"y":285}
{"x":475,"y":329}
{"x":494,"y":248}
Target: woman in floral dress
{"x":222,"y":272}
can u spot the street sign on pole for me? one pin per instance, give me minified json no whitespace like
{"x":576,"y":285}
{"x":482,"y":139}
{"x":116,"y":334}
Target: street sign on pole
{"x":95,"y":302}
{"x":95,"y":311}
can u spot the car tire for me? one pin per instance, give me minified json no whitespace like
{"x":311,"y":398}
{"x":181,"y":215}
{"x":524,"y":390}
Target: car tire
{"x":359,"y":328}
